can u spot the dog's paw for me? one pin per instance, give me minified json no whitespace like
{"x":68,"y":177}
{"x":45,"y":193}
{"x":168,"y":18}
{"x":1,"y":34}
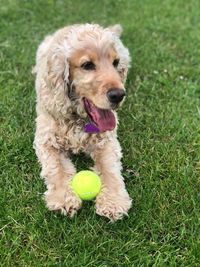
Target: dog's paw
{"x":64,"y":200}
{"x":113,"y":206}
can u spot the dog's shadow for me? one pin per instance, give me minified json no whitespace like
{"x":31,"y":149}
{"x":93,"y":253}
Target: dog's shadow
{"x":82,"y":162}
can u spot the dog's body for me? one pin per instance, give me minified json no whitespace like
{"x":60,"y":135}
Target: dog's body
{"x":81,"y":71}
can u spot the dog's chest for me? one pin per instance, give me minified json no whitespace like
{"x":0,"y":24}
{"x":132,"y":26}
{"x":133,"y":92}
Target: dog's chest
{"x":71,"y":136}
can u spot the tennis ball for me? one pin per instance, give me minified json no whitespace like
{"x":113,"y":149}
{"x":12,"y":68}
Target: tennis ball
{"x":86,"y":184}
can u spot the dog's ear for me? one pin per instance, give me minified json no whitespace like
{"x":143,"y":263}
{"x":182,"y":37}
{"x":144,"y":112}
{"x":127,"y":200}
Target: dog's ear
{"x":116,"y":29}
{"x":58,"y":68}
{"x":57,"y":78}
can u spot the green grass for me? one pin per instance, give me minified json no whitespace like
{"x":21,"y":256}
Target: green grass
{"x":159,"y":133}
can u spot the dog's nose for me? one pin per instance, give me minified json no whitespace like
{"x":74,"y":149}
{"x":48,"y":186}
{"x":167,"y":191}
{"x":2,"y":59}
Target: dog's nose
{"x":116,"y":95}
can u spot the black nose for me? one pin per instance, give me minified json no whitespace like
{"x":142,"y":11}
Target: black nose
{"x":116,"y":95}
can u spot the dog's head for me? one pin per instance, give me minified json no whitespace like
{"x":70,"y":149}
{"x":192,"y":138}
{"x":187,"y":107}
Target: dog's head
{"x":91,"y":64}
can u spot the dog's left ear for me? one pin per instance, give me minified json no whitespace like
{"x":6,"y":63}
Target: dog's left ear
{"x":116,"y":29}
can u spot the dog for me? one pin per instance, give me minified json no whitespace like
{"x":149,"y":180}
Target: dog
{"x":80,"y":75}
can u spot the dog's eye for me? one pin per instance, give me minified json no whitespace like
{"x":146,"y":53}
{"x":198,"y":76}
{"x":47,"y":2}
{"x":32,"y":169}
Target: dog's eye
{"x":88,"y":65}
{"x":116,"y":62}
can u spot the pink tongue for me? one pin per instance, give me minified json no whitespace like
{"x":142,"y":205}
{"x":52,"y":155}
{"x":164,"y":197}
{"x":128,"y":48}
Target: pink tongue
{"x":103,"y":118}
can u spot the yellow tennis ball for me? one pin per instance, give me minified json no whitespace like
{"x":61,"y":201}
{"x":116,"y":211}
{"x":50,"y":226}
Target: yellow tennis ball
{"x":86,"y":184}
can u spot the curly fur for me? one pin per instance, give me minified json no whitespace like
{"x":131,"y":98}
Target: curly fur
{"x":61,"y":85}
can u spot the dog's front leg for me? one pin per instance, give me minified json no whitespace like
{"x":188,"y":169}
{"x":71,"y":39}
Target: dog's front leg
{"x":58,"y":170}
{"x":113,"y":201}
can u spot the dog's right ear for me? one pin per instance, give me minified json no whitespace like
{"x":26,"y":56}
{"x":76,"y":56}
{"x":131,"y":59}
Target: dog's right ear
{"x":58,"y":68}
{"x":116,"y":29}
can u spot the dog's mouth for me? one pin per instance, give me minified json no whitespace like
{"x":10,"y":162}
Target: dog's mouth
{"x":102,"y":120}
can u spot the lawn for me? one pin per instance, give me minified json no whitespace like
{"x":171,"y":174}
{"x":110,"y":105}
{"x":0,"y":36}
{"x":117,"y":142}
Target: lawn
{"x":159,"y":132}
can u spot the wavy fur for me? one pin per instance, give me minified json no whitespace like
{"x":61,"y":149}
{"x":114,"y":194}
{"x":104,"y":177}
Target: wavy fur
{"x":61,"y":85}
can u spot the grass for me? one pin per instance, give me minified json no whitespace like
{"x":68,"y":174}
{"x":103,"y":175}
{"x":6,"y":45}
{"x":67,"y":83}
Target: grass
{"x":159,"y":133}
